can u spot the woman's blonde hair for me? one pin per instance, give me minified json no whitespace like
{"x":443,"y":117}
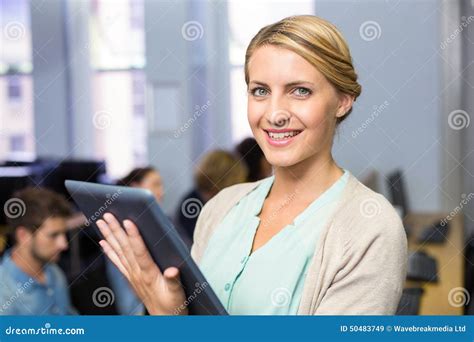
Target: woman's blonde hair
{"x":317,"y":41}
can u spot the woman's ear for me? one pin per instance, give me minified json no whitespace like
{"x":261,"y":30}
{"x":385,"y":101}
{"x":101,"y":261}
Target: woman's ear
{"x":345,"y":104}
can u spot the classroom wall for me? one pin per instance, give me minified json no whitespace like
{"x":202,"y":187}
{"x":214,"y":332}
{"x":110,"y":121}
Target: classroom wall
{"x":61,"y":79}
{"x":400,"y":120}
{"x":468,"y":104}
{"x":187,"y":99}
{"x":396,"y":121}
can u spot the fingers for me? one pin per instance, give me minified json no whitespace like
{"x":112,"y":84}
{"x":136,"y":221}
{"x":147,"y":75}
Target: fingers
{"x":143,"y":257}
{"x":112,"y":241}
{"x":108,"y":234}
{"x":122,"y":239}
{"x":113,"y":257}
{"x":118,"y":240}
{"x":131,"y":250}
{"x":172,"y":279}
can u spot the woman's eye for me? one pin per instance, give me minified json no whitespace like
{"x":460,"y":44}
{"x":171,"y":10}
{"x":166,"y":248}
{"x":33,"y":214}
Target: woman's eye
{"x":302,"y":91}
{"x":259,"y":92}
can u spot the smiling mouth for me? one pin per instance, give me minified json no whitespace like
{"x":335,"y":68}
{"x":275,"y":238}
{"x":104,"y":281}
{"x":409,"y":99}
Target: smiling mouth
{"x":282,"y":135}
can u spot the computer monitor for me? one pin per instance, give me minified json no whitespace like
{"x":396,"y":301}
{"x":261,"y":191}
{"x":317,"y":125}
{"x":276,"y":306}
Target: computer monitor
{"x":11,"y":180}
{"x":397,"y":191}
{"x":80,"y":170}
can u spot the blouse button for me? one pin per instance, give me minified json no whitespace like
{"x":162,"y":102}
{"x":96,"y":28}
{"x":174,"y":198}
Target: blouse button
{"x":227,"y":287}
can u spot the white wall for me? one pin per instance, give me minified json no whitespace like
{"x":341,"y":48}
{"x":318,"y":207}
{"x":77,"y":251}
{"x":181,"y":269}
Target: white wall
{"x":467,"y":154}
{"x":168,"y":67}
{"x":61,"y":79}
{"x":401,"y":72}
{"x":398,"y":60}
{"x":186,"y":51}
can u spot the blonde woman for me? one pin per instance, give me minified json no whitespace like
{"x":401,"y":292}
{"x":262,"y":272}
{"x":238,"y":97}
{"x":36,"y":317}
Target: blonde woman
{"x":309,"y":240}
{"x":217,"y":170}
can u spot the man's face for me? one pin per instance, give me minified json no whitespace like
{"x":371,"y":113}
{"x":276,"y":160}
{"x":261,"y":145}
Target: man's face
{"x":49,"y":240}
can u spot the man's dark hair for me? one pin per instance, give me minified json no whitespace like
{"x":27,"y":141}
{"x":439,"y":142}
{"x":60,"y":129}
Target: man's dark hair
{"x":34,"y":207}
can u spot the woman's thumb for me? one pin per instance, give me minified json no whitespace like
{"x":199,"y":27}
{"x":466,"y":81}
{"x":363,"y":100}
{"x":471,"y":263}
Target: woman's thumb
{"x":172,"y":279}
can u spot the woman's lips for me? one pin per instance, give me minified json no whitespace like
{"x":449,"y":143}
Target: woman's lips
{"x":281,"y":137}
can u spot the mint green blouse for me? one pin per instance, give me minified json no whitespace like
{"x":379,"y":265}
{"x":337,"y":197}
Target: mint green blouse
{"x":254,"y":284}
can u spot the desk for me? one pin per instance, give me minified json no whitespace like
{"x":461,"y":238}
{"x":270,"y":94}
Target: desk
{"x":3,"y":240}
{"x":450,"y":259}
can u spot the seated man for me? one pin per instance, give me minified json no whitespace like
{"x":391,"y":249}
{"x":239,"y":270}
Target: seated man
{"x":30,"y":281}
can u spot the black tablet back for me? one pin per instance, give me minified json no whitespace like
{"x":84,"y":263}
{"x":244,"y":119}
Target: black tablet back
{"x":161,"y":238}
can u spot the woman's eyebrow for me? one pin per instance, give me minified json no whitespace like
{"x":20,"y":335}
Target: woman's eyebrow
{"x":291,"y":84}
{"x":288,"y":85}
{"x":259,"y":83}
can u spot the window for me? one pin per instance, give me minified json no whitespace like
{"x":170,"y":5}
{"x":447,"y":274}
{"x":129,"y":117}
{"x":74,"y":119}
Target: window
{"x":17,"y":143}
{"x":245,"y":19}
{"x":118,"y":58}
{"x":16,"y":90}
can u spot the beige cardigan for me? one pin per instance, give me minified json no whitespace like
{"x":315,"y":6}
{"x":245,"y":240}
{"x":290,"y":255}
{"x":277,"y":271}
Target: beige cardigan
{"x":359,"y":265}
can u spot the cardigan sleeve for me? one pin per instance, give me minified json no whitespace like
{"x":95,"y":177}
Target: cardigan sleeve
{"x":201,"y":231}
{"x":372,"y":267}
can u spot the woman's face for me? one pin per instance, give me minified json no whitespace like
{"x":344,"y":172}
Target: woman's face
{"x":152,"y":181}
{"x":292,"y":107}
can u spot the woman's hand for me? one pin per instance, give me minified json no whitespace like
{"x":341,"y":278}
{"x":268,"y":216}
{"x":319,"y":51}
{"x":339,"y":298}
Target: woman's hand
{"x":161,"y":293}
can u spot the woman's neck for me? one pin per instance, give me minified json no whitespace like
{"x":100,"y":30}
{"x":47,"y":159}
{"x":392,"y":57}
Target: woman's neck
{"x":307,"y":179}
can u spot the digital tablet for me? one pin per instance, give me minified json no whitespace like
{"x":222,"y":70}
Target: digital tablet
{"x":160,"y":236}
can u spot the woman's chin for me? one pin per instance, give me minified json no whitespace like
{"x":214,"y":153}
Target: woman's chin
{"x":279,"y":160}
{"x":280,"y":156}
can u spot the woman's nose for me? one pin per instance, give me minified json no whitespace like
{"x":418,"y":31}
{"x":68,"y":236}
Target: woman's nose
{"x":278,"y":116}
